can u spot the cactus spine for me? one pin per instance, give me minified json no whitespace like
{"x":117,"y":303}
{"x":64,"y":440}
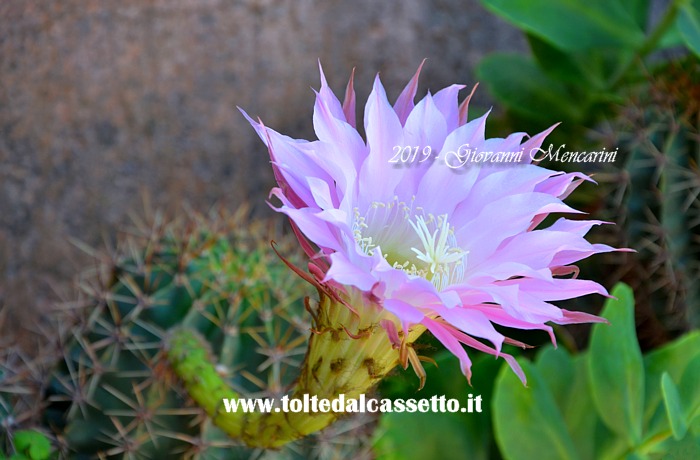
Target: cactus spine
{"x":657,"y":203}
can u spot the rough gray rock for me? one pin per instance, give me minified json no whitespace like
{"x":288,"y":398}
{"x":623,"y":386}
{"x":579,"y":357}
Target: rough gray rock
{"x":102,"y":102}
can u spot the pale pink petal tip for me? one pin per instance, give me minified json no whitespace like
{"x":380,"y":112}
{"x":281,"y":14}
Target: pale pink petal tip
{"x":349,"y":101}
{"x":404,"y":103}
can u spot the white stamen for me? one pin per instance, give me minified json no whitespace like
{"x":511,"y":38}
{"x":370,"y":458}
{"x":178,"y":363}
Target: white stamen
{"x":444,"y":260}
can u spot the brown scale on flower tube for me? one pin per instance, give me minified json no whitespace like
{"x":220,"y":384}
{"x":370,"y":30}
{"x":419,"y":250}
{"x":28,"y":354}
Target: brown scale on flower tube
{"x":335,"y":334}
{"x":337,"y":365}
{"x":373,"y":370}
{"x":364,"y":332}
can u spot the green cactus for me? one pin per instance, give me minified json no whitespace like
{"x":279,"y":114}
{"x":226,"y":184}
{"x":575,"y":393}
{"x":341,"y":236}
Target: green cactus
{"x":114,"y":393}
{"x":22,"y":382}
{"x":657,"y":201}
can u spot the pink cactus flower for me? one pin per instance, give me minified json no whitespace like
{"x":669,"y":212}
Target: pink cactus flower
{"x":450,"y":248}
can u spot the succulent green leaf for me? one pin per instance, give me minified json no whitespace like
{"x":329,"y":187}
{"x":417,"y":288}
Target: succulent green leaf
{"x":676,"y":359}
{"x":561,"y":65}
{"x":523,"y":87}
{"x":672,"y":37}
{"x":527,"y":418}
{"x":587,"y":429}
{"x":690,"y":390}
{"x":616,"y":369}
{"x":557,"y":367}
{"x":573,"y":24}
{"x":688,"y":448}
{"x":674,"y":409}
{"x":689,"y":25}
{"x":567,"y":378}
{"x":637,"y":9}
{"x":33,"y":444}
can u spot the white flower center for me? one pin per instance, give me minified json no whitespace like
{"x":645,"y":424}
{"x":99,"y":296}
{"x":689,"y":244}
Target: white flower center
{"x":420,"y":246}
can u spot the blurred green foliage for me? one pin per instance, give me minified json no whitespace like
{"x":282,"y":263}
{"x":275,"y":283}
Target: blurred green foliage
{"x":31,"y":445}
{"x":609,"y":402}
{"x":440,"y":435}
{"x":618,"y":69}
{"x":585,"y":55}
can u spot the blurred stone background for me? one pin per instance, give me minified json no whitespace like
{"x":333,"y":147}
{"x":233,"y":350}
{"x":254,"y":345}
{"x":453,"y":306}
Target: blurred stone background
{"x":103,"y":103}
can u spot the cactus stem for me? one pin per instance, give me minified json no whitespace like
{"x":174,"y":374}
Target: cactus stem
{"x":337,"y":362}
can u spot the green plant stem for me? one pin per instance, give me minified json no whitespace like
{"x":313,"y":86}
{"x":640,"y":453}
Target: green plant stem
{"x":347,"y":354}
{"x":650,"y":43}
{"x":190,"y":360}
{"x":647,"y":445}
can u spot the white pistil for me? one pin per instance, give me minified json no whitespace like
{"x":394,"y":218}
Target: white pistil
{"x":444,"y":260}
{"x":440,"y":251}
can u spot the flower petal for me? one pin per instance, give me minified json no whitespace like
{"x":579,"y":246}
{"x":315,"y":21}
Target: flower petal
{"x":442,"y":333}
{"x":343,"y":271}
{"x":472,"y":322}
{"x":446,"y":101}
{"x":404,"y":103}
{"x":384,"y":132}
